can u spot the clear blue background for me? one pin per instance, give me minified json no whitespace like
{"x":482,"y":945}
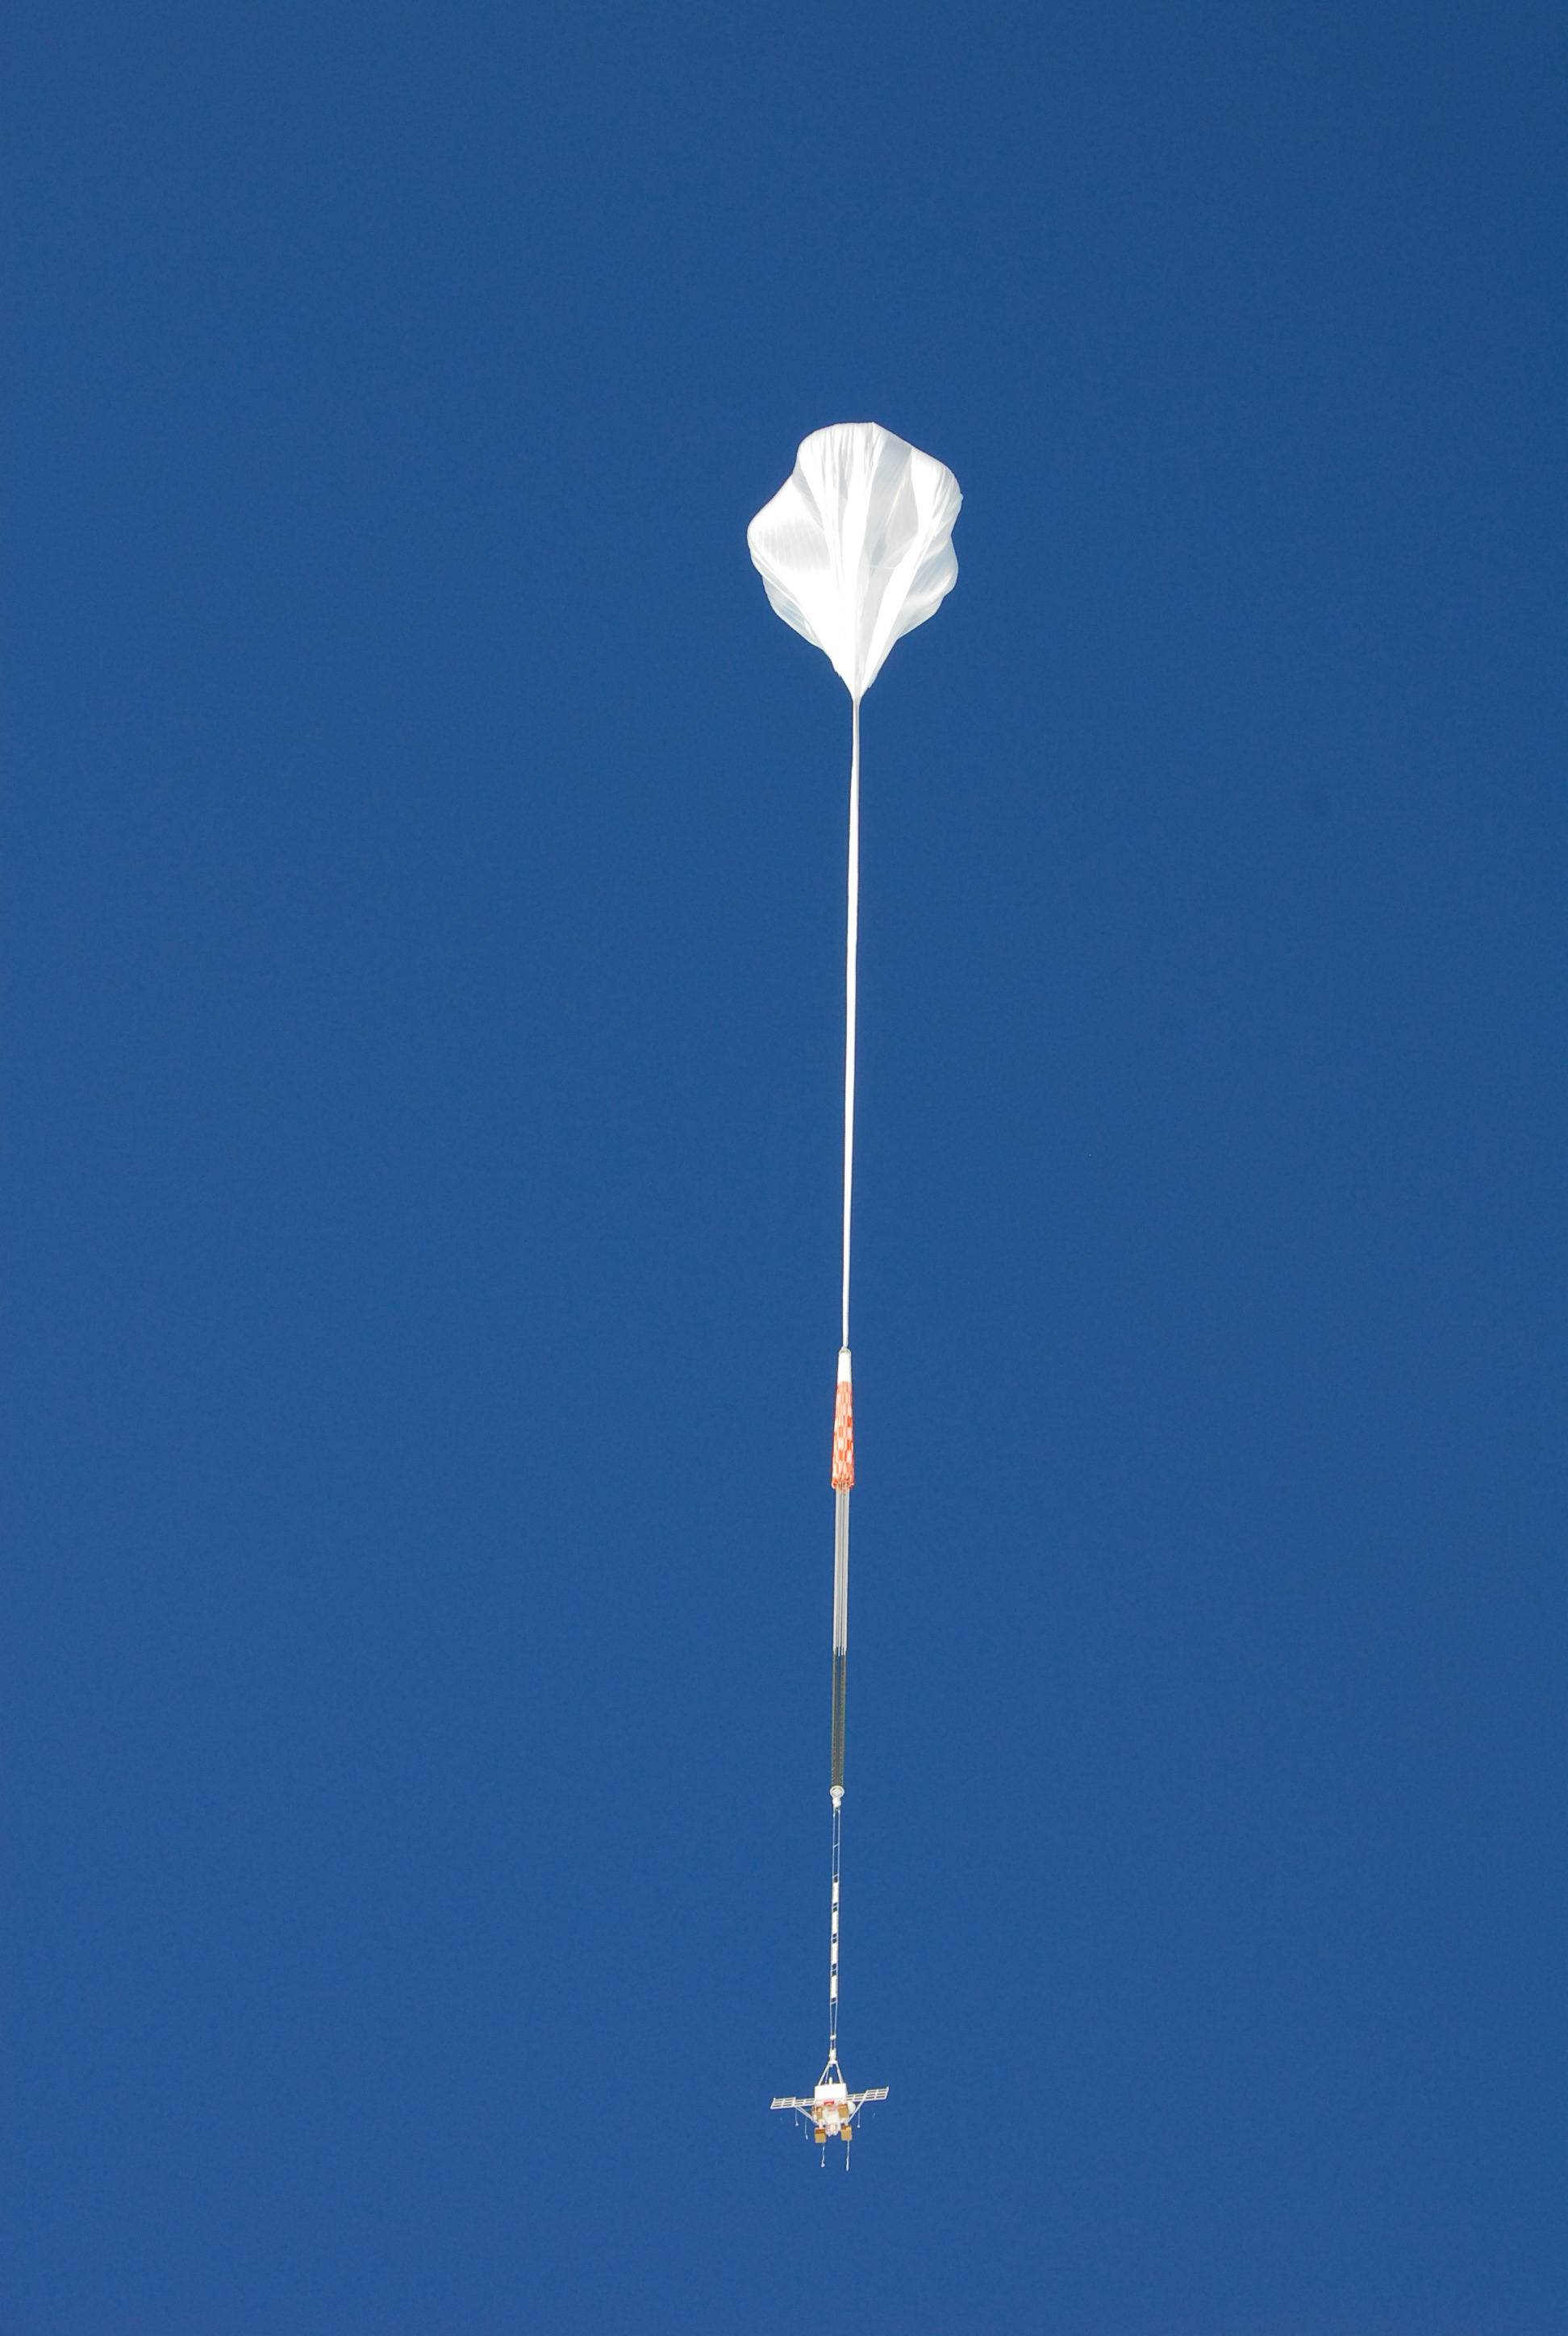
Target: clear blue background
{"x":424,"y":863}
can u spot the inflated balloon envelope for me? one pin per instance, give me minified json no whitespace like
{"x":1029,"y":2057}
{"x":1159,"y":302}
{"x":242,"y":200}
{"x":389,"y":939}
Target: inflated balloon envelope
{"x":855,"y":550}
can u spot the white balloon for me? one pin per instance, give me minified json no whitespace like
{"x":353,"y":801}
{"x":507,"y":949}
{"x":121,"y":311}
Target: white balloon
{"x":855,"y":550}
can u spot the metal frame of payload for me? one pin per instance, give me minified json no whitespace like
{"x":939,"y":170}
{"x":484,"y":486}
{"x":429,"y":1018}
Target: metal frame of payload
{"x":854,"y":550}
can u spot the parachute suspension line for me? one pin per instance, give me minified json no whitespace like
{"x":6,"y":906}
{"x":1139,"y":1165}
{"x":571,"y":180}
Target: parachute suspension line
{"x":843,"y":1468}
{"x":841,"y":1628}
{"x":833,"y":1943}
{"x":841,"y":1658}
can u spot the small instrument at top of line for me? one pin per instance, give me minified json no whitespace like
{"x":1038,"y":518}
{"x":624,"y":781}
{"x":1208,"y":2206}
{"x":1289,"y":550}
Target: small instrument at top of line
{"x":854,"y":550}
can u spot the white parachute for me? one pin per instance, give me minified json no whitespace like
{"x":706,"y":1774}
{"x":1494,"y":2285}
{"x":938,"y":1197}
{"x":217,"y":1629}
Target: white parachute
{"x":854,"y":550}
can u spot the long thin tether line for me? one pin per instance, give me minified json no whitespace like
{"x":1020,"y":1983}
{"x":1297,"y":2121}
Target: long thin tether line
{"x":844,"y":1417}
{"x":851,"y":939}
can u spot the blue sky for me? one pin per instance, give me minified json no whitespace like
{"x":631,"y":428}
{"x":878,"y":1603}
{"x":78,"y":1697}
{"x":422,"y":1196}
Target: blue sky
{"x":424,"y":866}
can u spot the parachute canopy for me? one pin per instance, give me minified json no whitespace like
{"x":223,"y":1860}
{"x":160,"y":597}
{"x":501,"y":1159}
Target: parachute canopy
{"x":856,"y":547}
